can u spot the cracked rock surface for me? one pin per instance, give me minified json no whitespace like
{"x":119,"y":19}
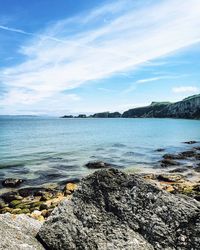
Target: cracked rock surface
{"x":18,"y":232}
{"x":114,"y":210}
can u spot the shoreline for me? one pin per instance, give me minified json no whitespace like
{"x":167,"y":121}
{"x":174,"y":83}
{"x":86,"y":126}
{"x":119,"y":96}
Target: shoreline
{"x":179,"y":173}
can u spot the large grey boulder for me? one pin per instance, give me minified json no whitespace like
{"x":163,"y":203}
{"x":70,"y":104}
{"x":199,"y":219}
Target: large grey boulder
{"x":113,"y":210}
{"x":18,"y":232}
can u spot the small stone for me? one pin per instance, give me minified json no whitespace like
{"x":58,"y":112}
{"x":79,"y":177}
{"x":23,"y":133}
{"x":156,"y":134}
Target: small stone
{"x":16,"y":211}
{"x":67,"y":192}
{"x":6,"y":210}
{"x":45,"y":213}
{"x":43,"y":206}
{"x":169,"y":189}
{"x":71,"y":187}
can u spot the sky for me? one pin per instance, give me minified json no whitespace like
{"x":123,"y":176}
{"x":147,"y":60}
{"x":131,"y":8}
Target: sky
{"x":74,"y":56}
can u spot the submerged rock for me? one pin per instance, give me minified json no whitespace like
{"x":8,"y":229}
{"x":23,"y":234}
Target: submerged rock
{"x":169,"y":162}
{"x":97,"y":164}
{"x":190,"y":142}
{"x":113,"y":210}
{"x":18,"y":232}
{"x":11,"y":182}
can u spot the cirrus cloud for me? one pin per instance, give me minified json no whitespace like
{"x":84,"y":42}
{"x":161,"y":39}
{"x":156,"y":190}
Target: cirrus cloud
{"x":78,"y":50}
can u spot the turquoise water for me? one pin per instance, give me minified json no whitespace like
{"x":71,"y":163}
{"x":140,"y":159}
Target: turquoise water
{"x":53,"y":149}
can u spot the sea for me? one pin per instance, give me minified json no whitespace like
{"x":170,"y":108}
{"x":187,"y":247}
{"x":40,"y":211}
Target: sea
{"x":44,"y":150}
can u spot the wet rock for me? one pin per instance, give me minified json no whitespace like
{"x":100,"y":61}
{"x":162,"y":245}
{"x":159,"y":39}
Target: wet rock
{"x":14,"y":203}
{"x":160,"y":150}
{"x":197,"y":169}
{"x":11,"y":182}
{"x":43,"y":206}
{"x":113,"y":210}
{"x":178,"y":170}
{"x":190,"y":142}
{"x":33,"y":191}
{"x":188,"y":154}
{"x":73,"y":180}
{"x":173,"y":157}
{"x":97,"y":164}
{"x":10,"y":196}
{"x":19,"y":232}
{"x":168,"y":178}
{"x":169,"y":162}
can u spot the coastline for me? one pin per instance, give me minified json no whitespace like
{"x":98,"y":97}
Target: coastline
{"x":177,"y":173}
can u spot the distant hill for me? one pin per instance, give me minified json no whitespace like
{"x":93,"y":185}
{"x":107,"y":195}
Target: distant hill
{"x":188,"y":108}
{"x":106,"y":115}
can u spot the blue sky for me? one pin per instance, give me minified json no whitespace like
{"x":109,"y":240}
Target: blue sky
{"x":73,"y":56}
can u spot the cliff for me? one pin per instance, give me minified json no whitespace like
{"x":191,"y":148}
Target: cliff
{"x":188,"y":108}
{"x":148,"y":111}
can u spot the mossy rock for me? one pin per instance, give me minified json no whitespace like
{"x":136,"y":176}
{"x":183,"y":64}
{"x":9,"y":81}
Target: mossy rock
{"x":16,"y":211}
{"x":3,"y":204}
{"x":5,"y":210}
{"x":36,"y":204}
{"x":23,"y":206}
{"x":25,"y":211}
{"x":14,"y":203}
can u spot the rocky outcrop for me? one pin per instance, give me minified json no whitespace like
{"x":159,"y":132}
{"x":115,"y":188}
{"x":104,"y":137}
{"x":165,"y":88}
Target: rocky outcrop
{"x":148,"y":111}
{"x":19,"y":232}
{"x":107,"y":115}
{"x":188,"y":108}
{"x":114,"y":210}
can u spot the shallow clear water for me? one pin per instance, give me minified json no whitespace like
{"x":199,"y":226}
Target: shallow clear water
{"x":52,"y":149}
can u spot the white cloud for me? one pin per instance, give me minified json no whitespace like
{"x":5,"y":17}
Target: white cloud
{"x":149,"y":79}
{"x":75,"y":51}
{"x":185,"y":89}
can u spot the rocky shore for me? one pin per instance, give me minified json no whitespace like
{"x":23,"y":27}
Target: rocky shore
{"x":96,"y":213}
{"x":110,"y":210}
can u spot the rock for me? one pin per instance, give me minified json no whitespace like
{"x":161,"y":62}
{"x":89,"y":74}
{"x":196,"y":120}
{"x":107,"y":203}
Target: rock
{"x":169,"y":162}
{"x":70,"y":187}
{"x":168,"y":178}
{"x":14,"y":203}
{"x":10,"y":196}
{"x":173,"y":157}
{"x":197,"y":169}
{"x":188,"y":154}
{"x":97,"y":164}
{"x":37,"y":215}
{"x":18,"y":232}
{"x":114,"y":210}
{"x":10,"y":182}
{"x":43,"y":206}
{"x":190,"y":142}
{"x":178,"y":170}
{"x":160,"y":150}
